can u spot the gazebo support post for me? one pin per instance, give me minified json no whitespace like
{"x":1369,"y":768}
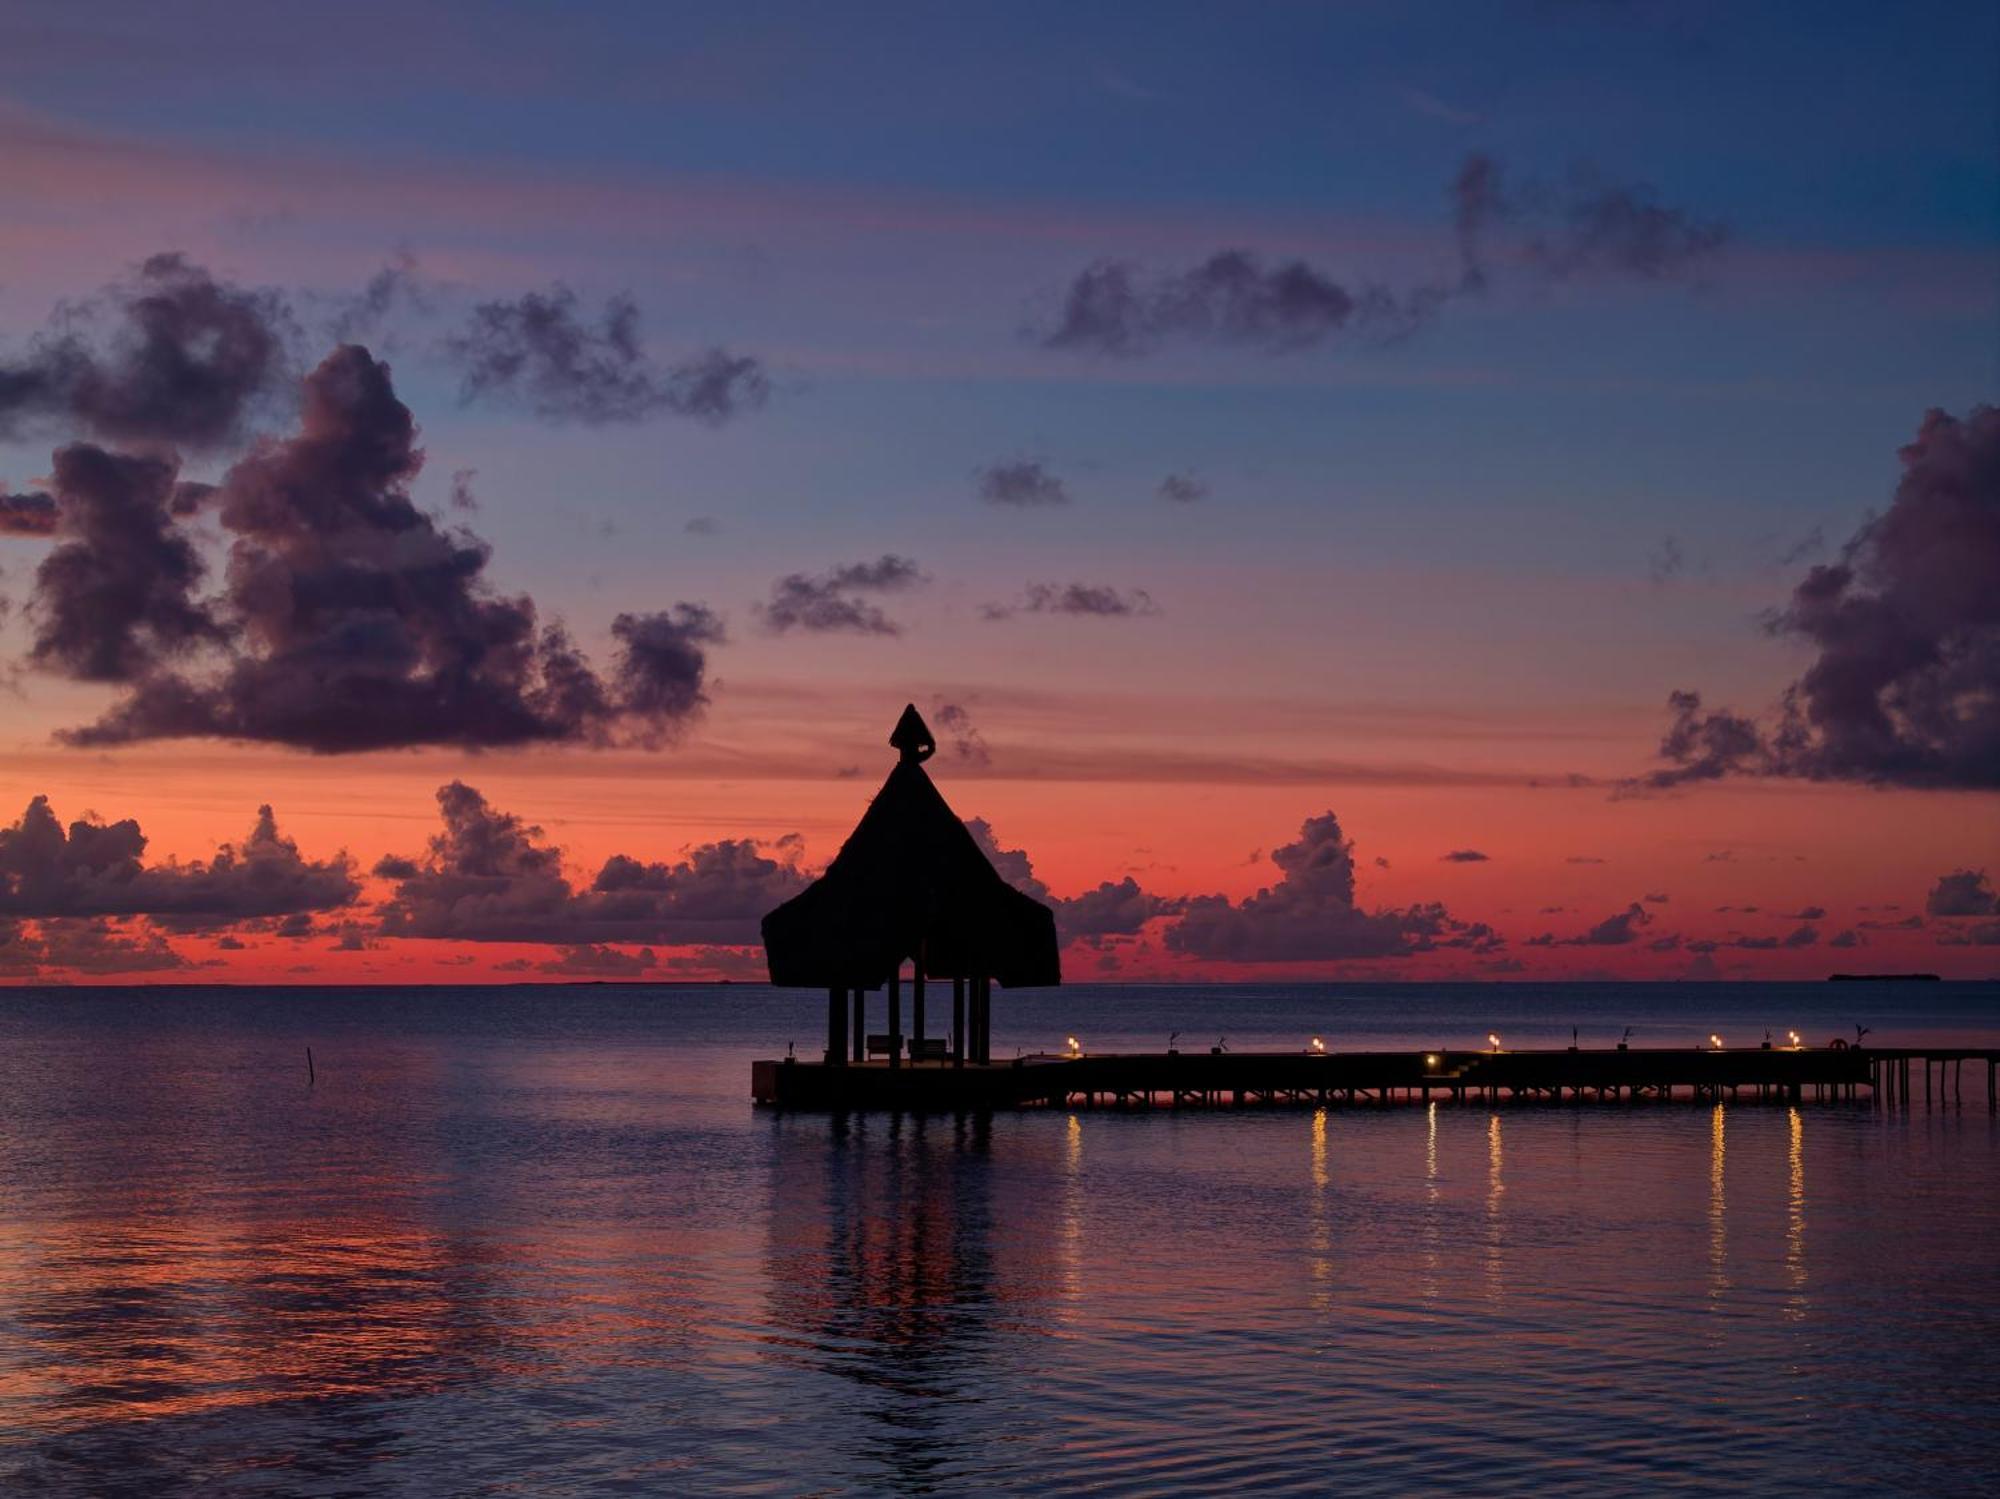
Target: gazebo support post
{"x":917,"y":1003}
{"x":896,"y":1017}
{"x":860,"y":1025}
{"x":958,"y":1022}
{"x":836,"y":1027}
{"x":982,"y":1020}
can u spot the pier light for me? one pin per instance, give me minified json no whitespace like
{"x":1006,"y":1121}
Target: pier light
{"x":1716,"y":1042}
{"x":1430,"y":1059}
{"x":1795,"y":1037}
{"x":1318,"y":1046}
{"x":1493,"y":1041}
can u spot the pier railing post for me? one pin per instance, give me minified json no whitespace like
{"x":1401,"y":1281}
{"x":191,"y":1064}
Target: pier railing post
{"x":860,"y":1025}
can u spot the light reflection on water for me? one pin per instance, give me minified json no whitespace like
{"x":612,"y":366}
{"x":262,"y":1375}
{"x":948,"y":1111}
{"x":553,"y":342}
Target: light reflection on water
{"x":528,"y":1244}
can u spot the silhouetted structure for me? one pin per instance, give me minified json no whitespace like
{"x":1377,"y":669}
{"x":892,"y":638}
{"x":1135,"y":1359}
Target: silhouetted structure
{"x":910,"y":885}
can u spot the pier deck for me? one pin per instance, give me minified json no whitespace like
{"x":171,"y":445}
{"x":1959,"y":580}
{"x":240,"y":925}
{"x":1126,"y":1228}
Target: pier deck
{"x":1178,"y":1079}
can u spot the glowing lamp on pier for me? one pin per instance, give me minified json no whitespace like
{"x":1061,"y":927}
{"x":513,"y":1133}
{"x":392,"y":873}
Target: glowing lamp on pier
{"x":1493,"y":1041}
{"x":1430,"y":1060}
{"x":1318,"y":1046}
{"x":1075,"y":1047}
{"x":1795,"y":1037}
{"x":1716,"y":1042}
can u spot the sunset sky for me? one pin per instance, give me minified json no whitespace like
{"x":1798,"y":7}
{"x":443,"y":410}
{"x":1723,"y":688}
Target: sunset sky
{"x":1372,"y":410}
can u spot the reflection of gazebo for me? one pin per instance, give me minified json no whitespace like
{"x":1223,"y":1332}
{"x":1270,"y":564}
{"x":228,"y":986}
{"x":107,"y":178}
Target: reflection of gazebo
{"x":910,"y":884}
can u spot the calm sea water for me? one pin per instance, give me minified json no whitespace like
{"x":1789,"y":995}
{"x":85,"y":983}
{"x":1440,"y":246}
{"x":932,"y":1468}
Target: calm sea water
{"x":538,"y":1242}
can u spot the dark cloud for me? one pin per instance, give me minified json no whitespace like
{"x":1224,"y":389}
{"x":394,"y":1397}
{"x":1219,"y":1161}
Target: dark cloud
{"x":1964,"y":892}
{"x":1464,"y":856}
{"x":1022,"y":483}
{"x":171,"y":357}
{"x":541,"y":351}
{"x":29,"y":514}
{"x":1848,"y":938}
{"x":1310,"y":914}
{"x":349,"y":620}
{"x":831,"y":601}
{"x":116,"y":597}
{"x":1660,"y":898}
{"x":94,"y":869}
{"x":1232,"y":298}
{"x":1118,"y":908}
{"x":462,"y":497}
{"x":1666,"y":561}
{"x":1586,"y":225}
{"x":1807,"y":913}
{"x":701,"y":525}
{"x":1974,"y":934}
{"x":1585,"y":859}
{"x":1619,"y":929}
{"x":1802,"y":936}
{"x":490,"y":877}
{"x":398,"y":286}
{"x":1012,"y":864}
{"x":1182,"y":489}
{"x":1905,"y":686}
{"x":591,"y":960}
{"x":1089,"y":600}
{"x":956,"y":728}
{"x":659,"y":669}
{"x":351,"y":936}
{"x":90,"y":945}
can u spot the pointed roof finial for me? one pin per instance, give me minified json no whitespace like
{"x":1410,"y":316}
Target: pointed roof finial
{"x":913,"y":736}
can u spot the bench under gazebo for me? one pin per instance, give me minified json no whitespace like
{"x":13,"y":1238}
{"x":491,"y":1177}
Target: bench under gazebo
{"x":910,"y":886}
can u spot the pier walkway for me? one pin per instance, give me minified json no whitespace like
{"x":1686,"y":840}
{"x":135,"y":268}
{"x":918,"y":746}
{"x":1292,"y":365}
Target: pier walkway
{"x":1207,"y":1079}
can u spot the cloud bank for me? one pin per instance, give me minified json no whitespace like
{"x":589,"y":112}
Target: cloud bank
{"x":1904,"y":689}
{"x":490,"y":877}
{"x":348,"y":619}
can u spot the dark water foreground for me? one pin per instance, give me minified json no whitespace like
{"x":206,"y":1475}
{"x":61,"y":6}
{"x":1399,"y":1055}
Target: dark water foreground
{"x":531,"y":1242}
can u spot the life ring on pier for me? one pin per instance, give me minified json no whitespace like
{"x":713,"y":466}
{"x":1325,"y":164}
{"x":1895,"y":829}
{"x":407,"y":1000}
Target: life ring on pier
{"x":1838,"y":1043}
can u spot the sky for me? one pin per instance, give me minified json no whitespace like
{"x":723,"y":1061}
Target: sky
{"x":1361,"y":491}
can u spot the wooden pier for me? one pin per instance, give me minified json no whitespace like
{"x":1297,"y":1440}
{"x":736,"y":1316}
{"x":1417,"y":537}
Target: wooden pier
{"x":1210,"y":1079}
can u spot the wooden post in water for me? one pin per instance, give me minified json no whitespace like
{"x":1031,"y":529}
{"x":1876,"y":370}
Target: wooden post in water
{"x":917,"y":1001}
{"x":860,"y":1025}
{"x":958,"y":1022}
{"x":836,"y":1027}
{"x":896,"y":1017}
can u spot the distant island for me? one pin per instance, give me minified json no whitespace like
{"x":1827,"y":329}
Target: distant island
{"x":1882,"y":978}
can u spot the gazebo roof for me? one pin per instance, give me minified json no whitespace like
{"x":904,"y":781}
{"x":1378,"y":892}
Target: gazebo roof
{"x":910,"y":881}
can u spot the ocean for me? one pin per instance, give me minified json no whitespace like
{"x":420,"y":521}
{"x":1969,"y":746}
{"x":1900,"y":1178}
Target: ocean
{"x":537,"y":1241}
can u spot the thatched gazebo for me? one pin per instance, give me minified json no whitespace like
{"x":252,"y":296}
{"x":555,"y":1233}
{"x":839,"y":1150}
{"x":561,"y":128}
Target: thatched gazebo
{"x":910,"y":885}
